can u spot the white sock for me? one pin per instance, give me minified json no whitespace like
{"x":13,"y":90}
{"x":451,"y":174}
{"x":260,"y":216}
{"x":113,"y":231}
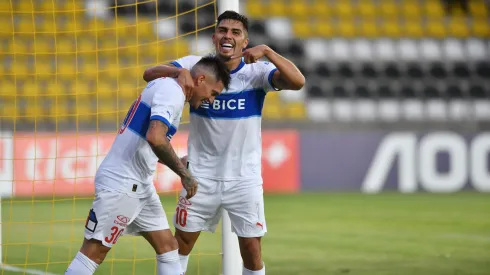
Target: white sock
{"x":257,"y":272}
{"x":81,"y":265}
{"x":168,"y":263}
{"x":184,"y":260}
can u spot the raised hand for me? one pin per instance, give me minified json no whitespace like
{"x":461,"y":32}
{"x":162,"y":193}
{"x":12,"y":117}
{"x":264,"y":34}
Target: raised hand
{"x":186,"y":82}
{"x":252,"y":55}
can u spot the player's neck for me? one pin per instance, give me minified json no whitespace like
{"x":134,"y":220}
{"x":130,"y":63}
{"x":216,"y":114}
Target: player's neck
{"x":232,"y":64}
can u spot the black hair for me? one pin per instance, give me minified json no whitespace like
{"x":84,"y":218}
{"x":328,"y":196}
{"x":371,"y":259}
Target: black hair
{"x":232,"y":15}
{"x":216,"y":67}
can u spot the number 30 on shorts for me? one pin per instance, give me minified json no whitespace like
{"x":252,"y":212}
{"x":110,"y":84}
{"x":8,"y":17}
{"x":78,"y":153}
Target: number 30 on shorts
{"x":115,"y":233}
{"x":181,"y":216}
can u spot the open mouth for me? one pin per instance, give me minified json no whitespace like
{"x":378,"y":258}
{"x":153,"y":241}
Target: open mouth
{"x":226,"y":47}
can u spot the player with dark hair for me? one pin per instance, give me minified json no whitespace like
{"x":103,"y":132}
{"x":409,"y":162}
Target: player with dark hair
{"x":224,"y":143}
{"x":126,"y":201}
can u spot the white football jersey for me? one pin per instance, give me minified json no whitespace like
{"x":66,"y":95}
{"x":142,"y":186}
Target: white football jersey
{"x":225,"y":140}
{"x":130,"y":164}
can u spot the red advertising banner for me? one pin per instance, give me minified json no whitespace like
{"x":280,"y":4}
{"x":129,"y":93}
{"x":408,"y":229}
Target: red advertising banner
{"x":65,"y":164}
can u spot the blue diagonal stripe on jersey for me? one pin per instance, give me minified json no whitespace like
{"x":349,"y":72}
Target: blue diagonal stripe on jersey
{"x":141,"y":120}
{"x":239,"y":105}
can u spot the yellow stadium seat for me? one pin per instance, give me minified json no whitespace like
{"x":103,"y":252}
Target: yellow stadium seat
{"x":25,"y":24}
{"x":148,"y":50}
{"x":47,"y":25}
{"x":72,"y":5}
{"x":107,"y":111}
{"x":173,"y":49}
{"x":319,"y":8}
{"x":48,"y":6}
{"x":323,"y":28}
{"x":346,"y":28}
{"x":128,"y":90}
{"x":413,"y":29}
{"x":6,"y":23}
{"x":390,"y":28}
{"x":276,"y":8}
{"x":255,"y":8}
{"x":58,"y":110}
{"x":9,"y":107}
{"x":301,"y":28}
{"x":298,"y":9}
{"x":458,"y":28}
{"x":54,"y":88}
{"x":344,"y":9}
{"x":7,"y":87}
{"x":20,"y":66}
{"x":64,"y":44}
{"x":296,"y":111}
{"x":6,"y":7}
{"x":106,"y":90}
{"x":367,"y":9}
{"x":436,"y":29}
{"x":83,"y":109}
{"x":478,"y":9}
{"x":146,"y":30}
{"x":33,"y":108}
{"x":41,"y":45}
{"x":81,"y":87}
{"x":88,"y":67}
{"x":272,"y":111}
{"x":43,"y":66}
{"x":86,"y":45}
{"x":66,"y":65}
{"x":23,"y":6}
{"x":31,"y":88}
{"x":388,"y":9}
{"x":433,"y":9}
{"x":18,"y":46}
{"x":369,"y":28}
{"x":480,"y":28}
{"x":411,"y":9}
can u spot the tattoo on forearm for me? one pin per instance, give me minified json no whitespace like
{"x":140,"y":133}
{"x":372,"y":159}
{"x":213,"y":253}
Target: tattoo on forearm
{"x":167,"y":155}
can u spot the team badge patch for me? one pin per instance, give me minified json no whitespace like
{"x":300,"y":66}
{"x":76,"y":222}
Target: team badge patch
{"x":91,"y":222}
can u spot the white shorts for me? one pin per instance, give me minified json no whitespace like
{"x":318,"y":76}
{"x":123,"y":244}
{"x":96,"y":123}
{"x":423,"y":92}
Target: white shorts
{"x":244,"y":201}
{"x":114,"y":214}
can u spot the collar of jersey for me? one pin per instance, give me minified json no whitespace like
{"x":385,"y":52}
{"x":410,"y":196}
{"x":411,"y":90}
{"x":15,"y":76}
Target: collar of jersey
{"x":239,"y":67}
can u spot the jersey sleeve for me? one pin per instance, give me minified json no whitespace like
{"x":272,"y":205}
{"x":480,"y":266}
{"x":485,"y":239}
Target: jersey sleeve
{"x":168,"y":101}
{"x":186,"y":62}
{"x":267,"y":70}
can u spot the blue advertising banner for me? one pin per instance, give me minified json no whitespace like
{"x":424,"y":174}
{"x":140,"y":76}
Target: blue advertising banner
{"x":371,"y":162}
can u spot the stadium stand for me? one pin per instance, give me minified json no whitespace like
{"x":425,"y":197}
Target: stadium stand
{"x":364,"y":60}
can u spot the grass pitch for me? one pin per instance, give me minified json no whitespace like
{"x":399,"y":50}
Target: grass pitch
{"x":423,"y":234}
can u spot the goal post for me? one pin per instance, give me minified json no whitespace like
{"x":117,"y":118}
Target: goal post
{"x":231,"y":260}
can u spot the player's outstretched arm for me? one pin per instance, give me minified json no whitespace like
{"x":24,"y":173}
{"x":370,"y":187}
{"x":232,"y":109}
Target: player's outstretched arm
{"x":156,"y":137}
{"x":184,"y":77}
{"x":287,"y":76}
{"x":161,"y":71}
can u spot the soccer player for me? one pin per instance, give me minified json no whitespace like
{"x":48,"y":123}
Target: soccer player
{"x":126,"y":201}
{"x":224,"y":146}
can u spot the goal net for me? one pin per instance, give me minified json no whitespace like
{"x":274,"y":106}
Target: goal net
{"x":70,"y":71}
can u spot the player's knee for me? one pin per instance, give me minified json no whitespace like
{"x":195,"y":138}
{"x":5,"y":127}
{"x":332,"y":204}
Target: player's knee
{"x":250,"y":249}
{"x":186,"y":241}
{"x":94,"y":250}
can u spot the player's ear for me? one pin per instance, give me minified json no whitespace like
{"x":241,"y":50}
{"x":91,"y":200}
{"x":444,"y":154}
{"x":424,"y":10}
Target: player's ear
{"x":245,"y":43}
{"x":200,"y":79}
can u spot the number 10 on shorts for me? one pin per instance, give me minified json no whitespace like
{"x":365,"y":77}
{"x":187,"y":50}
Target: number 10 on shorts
{"x":181,"y":216}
